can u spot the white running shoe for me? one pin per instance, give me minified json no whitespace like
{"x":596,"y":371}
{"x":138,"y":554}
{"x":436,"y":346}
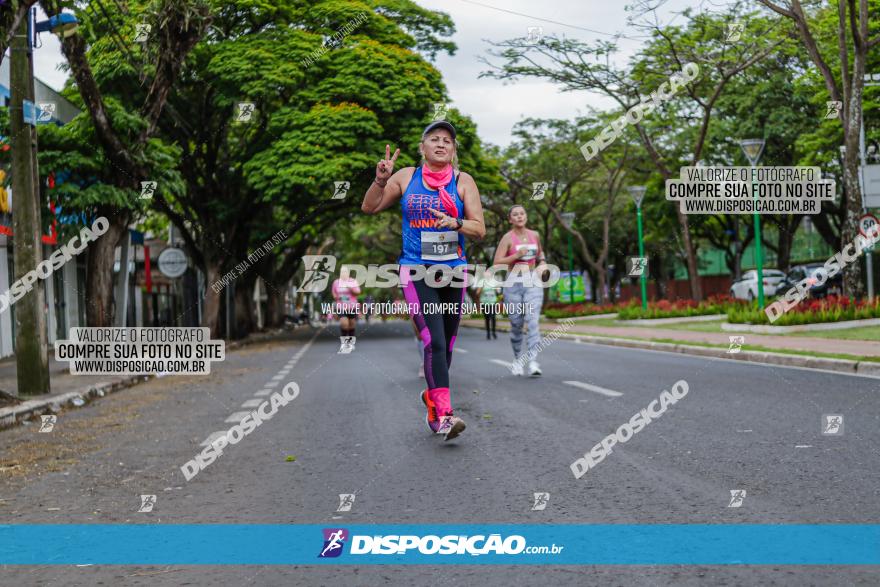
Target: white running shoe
{"x":534,"y":369}
{"x":516,"y":368}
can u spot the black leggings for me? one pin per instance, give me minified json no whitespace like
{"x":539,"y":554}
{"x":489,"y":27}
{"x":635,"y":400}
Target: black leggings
{"x":490,"y":321}
{"x":437,"y":330}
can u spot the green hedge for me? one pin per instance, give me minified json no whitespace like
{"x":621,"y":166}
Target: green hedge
{"x":830,"y":309}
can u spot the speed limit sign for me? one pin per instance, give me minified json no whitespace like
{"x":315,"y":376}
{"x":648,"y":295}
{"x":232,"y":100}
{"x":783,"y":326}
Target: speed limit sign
{"x":867,"y":223}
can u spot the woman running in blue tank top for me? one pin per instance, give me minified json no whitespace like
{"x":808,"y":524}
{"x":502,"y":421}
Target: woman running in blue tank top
{"x":439,"y":206}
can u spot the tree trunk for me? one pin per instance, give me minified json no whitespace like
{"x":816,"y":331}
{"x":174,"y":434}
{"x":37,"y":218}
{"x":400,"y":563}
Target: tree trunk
{"x":852,"y":273}
{"x":274,"y":307}
{"x":659,"y":277}
{"x":244,"y":308}
{"x":600,"y":284}
{"x":691,"y":255}
{"x":99,"y":269}
{"x":211,"y":313}
{"x":783,"y":246}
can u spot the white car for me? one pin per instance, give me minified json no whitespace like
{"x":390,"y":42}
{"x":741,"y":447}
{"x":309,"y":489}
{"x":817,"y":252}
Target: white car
{"x":746,"y":287}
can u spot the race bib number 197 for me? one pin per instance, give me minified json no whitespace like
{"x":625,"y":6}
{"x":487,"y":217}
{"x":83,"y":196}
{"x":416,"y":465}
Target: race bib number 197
{"x":440,"y":246}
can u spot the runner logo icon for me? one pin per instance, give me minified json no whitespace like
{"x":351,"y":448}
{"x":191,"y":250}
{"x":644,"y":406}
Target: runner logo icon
{"x":736,"y":343}
{"x":148,"y":188}
{"x":833,"y":109}
{"x":147,"y":503}
{"x":538,"y":189}
{"x":318,"y":269}
{"x":346,"y":500}
{"x":535,"y":34}
{"x":637,"y":266}
{"x":47,"y":111}
{"x":245,"y":111}
{"x":737,"y":496}
{"x":832,"y":424}
{"x":340,"y":189}
{"x":334,"y":540}
{"x":445,"y":425}
{"x":734,"y":31}
{"x":541,"y":500}
{"x":47,"y":423}
{"x":346,"y":345}
{"x":440,"y":110}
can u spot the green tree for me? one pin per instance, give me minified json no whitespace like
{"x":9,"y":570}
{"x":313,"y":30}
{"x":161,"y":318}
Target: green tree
{"x":839,"y":37}
{"x":675,"y":132}
{"x":331,"y":83}
{"x":124,"y":117}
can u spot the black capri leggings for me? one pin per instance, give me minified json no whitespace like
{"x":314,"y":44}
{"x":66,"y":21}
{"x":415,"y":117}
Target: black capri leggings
{"x":437,"y":329}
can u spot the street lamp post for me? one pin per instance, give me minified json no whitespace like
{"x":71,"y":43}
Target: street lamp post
{"x":638,"y":192}
{"x":568,"y":220}
{"x":753,"y":149}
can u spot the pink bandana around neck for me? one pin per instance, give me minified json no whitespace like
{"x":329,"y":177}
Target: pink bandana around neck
{"x":438,"y":180}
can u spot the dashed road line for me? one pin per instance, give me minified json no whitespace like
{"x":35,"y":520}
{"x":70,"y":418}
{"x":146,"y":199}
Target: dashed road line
{"x":594,"y":388}
{"x":214,"y":436}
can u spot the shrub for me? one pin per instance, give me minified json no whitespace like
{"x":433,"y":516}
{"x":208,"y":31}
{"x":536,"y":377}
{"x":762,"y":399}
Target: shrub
{"x":557,"y":310}
{"x":681,"y":308}
{"x":814,"y":311}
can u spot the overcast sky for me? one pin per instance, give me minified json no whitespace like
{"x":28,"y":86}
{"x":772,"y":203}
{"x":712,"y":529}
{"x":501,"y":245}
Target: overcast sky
{"x":496,"y":108}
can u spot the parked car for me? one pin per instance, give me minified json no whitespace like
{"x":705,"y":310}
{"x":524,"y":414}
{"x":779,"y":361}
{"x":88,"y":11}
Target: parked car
{"x":746,"y":287}
{"x":832,"y":285}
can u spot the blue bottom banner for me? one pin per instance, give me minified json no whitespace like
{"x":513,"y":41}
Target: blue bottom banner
{"x":508,"y":544}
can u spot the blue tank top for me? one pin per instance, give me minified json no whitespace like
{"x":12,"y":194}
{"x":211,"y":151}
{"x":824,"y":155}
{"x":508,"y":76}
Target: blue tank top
{"x":418,"y":219}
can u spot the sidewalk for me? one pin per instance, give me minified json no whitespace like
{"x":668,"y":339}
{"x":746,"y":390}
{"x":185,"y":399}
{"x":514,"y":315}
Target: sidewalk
{"x":60,"y":379}
{"x":66,"y":390}
{"x":768,"y":342}
{"x":860,"y":348}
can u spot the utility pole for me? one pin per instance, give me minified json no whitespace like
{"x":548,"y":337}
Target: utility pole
{"x":31,"y":344}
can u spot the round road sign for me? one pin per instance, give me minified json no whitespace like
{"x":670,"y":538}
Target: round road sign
{"x":172,"y":262}
{"x":867,"y":222}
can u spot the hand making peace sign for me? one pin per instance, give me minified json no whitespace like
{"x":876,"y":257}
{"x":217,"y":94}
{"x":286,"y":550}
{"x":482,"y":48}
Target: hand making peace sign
{"x":385,"y":167}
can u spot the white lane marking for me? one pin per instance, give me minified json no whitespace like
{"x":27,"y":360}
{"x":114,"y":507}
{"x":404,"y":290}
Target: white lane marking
{"x":743,"y":430}
{"x":458,"y":350}
{"x":271,"y":384}
{"x":263,"y":392}
{"x":237,"y":417}
{"x":252,"y":403}
{"x":277,"y":377}
{"x":595,"y":388}
{"x":214,"y":436}
{"x":803,"y":446}
{"x":500,"y":362}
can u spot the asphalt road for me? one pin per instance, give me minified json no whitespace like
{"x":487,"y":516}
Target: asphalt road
{"x":357,"y":427}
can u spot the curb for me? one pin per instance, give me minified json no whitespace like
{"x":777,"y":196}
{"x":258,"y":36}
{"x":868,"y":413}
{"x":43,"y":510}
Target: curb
{"x":12,"y":415}
{"x":679,"y":320}
{"x":767,"y":329}
{"x":862,"y":368}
